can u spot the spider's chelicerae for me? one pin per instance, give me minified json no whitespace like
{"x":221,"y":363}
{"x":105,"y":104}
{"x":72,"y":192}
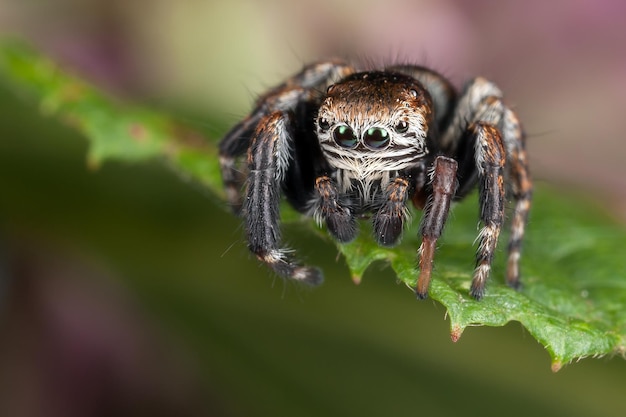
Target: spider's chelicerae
{"x":342,"y":144}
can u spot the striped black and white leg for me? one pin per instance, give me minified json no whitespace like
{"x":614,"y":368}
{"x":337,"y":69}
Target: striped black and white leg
{"x":484,"y":123}
{"x":234,"y":145}
{"x":522,"y":188}
{"x":269,"y":157}
{"x":490,"y":160}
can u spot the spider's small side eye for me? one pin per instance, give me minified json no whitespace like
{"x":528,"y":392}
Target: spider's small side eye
{"x":324,"y":124}
{"x":376,"y":138}
{"x":345,"y":137}
{"x":413,"y":93}
{"x":402,"y":126}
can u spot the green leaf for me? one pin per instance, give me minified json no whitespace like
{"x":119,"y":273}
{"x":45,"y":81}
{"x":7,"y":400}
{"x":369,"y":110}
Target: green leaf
{"x":114,"y":128}
{"x":573,"y":266}
{"x":574,"y":289}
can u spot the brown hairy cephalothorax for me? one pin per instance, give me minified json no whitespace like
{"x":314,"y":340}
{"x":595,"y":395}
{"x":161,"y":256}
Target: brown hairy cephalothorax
{"x":341,"y":144}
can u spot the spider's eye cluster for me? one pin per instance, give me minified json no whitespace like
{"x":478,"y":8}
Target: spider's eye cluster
{"x":374,"y":138}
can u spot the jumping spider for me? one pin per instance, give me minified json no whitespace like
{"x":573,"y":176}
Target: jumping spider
{"x":341,"y":144}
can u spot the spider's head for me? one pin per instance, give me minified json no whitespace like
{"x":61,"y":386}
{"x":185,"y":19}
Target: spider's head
{"x":373,"y":122}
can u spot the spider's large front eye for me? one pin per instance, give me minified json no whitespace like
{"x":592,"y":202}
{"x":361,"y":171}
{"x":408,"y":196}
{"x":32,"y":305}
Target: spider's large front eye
{"x":376,"y":138}
{"x":344,"y":136}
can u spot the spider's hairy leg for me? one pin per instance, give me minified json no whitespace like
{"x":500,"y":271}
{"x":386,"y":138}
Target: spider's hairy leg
{"x":481,"y":100}
{"x":490,"y":160}
{"x":235,"y":144}
{"x":522,"y":192}
{"x":339,"y":218}
{"x":390,"y":218}
{"x":284,"y":97}
{"x":444,"y":184}
{"x":268,"y":159}
{"x":486,"y":138}
{"x":320,"y":74}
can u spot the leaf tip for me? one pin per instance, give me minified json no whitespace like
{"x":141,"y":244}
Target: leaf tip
{"x":455,"y":333}
{"x":556,"y":366}
{"x":356,"y":278}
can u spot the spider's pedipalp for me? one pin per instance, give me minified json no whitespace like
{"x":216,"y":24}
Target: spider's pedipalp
{"x":389,"y":219}
{"x":329,"y":206}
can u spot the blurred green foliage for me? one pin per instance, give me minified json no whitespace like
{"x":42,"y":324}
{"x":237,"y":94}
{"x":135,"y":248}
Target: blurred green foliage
{"x":340,"y":350}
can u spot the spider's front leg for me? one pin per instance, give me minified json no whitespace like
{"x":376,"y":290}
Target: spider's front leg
{"x":444,"y":185}
{"x":269,"y":156}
